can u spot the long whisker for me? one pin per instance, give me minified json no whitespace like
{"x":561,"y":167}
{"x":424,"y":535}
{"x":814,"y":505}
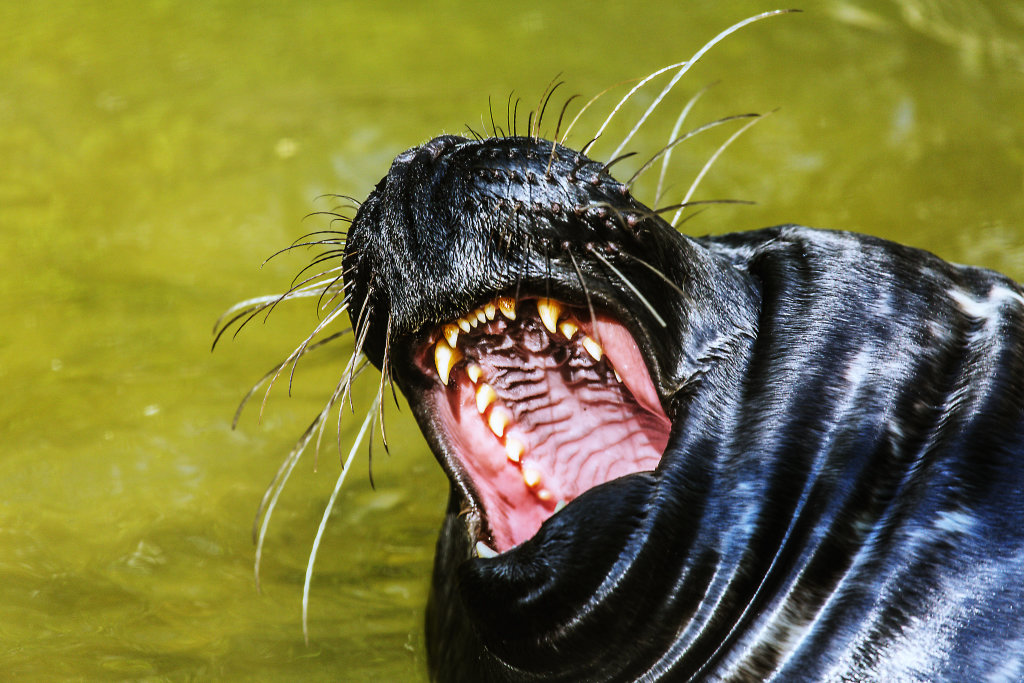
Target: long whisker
{"x":698,"y":202}
{"x":685,"y":67}
{"x":629,"y":94}
{"x":681,"y":138}
{"x":586,"y":294}
{"x":586,"y":106}
{"x":672,"y":136}
{"x":626,"y":281}
{"x":658,"y":272}
{"x":326,"y":516}
{"x":708,"y":164}
{"x":296,"y":354}
{"x":277,"y":368}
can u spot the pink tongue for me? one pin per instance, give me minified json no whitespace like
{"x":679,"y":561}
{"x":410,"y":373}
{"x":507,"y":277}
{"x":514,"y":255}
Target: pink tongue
{"x":579,"y":425}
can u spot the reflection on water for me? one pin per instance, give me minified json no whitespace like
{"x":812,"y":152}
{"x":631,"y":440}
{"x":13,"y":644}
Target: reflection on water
{"x":155,"y":154}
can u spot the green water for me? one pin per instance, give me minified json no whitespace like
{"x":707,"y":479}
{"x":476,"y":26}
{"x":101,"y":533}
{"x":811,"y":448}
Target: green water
{"x":152,"y":154}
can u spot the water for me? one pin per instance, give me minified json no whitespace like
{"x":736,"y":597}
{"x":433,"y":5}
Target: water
{"x":155,"y":153}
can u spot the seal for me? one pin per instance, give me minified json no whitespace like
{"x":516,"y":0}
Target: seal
{"x":788,"y":454}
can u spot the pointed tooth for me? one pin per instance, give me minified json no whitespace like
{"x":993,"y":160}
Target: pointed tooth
{"x":593,"y":348}
{"x":480,"y":315}
{"x":445,"y":358}
{"x":474,"y":372}
{"x":497,"y":421}
{"x":617,"y":375}
{"x":464,"y":324}
{"x":490,"y":310}
{"x":549,"y":311}
{"x":484,"y":550}
{"x":514,"y":449}
{"x":485,"y":396}
{"x":507,"y":306}
{"x":545,"y":495}
{"x":451,"y":333}
{"x":531,"y":477}
{"x":568,"y":329}
{"x":559,"y":505}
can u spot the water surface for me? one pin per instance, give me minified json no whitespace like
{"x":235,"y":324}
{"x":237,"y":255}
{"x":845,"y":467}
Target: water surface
{"x":154,"y":153}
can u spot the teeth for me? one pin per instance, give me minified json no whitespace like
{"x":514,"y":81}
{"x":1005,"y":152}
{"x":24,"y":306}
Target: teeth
{"x":559,"y":505}
{"x":593,"y":348}
{"x":451,"y":333}
{"x":474,"y":372}
{"x":514,"y":450}
{"x":568,"y":329}
{"x":484,"y":550}
{"x":617,"y":376}
{"x":480,"y":315}
{"x":445,"y":358}
{"x":545,"y":495}
{"x":485,"y":396}
{"x":489,"y":310}
{"x":497,"y":421}
{"x":531,"y":477}
{"x":507,"y":306}
{"x":464,"y":324}
{"x":549,"y":311}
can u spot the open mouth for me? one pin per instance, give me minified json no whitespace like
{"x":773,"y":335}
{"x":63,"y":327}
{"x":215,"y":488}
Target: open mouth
{"x":538,"y":402}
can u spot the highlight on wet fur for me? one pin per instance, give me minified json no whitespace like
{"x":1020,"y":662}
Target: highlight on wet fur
{"x":326,"y":282}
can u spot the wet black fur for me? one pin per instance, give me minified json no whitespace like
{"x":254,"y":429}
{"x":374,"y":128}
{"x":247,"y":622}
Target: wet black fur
{"x":842,"y":497}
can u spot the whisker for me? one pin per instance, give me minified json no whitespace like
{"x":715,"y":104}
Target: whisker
{"x":659,"y":273}
{"x":328,"y":319}
{"x":685,"y":67}
{"x":277,"y":368}
{"x":632,"y":91}
{"x":543,"y":104}
{"x":686,"y":136}
{"x":672,"y":136}
{"x":323,"y":521}
{"x":586,"y":106}
{"x":558,"y":126}
{"x":628,"y":283}
{"x":269,"y":501}
{"x":586,"y":294}
{"x":617,"y":160}
{"x":665,"y":209}
{"x":385,"y":375}
{"x":709,"y":162}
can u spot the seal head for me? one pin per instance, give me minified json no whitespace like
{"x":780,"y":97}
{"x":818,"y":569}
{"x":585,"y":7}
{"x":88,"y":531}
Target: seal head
{"x":789,"y":453}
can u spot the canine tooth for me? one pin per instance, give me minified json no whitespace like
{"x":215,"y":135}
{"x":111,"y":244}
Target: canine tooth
{"x":451,"y":333}
{"x":507,"y":306}
{"x":568,"y":329}
{"x":514,"y":449}
{"x":464,"y":324}
{"x":474,"y":372}
{"x":531,"y":477}
{"x":485,"y":396}
{"x":497,"y":421}
{"x":445,"y":358}
{"x":490,"y":310}
{"x":549,"y":311}
{"x":484,"y":550}
{"x":593,"y":348}
{"x":480,"y":315}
